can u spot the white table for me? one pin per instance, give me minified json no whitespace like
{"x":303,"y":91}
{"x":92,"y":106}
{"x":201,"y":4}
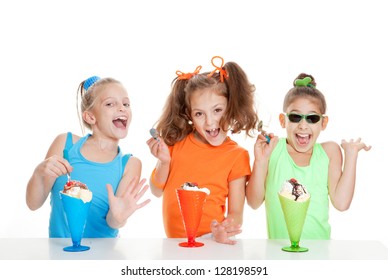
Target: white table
{"x":168,"y":249}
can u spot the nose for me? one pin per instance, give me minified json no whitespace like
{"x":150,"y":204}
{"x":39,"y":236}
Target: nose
{"x":209,"y":120}
{"x":121,"y":107}
{"x":303,"y":123}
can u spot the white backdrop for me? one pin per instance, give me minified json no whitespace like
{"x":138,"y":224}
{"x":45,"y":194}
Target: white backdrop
{"x":49,"y":47}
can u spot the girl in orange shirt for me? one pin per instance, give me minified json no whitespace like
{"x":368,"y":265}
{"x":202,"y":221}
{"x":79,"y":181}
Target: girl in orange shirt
{"x":194,"y":146}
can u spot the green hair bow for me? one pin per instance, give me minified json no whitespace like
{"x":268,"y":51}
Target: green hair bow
{"x":305,"y":82}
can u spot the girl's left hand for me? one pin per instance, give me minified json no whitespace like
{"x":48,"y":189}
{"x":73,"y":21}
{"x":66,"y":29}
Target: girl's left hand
{"x":354,"y":146}
{"x":123,"y":206}
{"x":224,"y":230}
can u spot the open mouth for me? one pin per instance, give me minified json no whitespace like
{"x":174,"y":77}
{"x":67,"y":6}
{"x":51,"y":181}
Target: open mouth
{"x":303,"y":139}
{"x":120,"y":122}
{"x":213,"y":132}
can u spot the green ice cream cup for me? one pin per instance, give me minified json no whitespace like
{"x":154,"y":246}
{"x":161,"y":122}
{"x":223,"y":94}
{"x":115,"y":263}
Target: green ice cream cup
{"x":295,"y":216}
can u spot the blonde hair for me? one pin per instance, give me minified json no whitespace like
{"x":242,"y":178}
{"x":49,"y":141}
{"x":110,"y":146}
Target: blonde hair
{"x":86,"y":98}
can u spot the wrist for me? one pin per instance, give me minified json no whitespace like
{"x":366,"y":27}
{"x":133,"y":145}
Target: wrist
{"x":164,"y":164}
{"x":261,"y":163}
{"x":207,"y":235}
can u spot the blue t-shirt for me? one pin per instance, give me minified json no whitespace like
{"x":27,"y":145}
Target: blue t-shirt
{"x":95,"y":175}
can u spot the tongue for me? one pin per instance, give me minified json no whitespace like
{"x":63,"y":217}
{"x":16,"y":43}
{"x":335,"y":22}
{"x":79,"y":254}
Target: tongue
{"x":303,"y":140}
{"x":118,"y":124}
{"x":213,"y":133}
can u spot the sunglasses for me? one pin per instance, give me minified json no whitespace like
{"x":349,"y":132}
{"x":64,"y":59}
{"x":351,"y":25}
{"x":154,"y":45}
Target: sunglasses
{"x":311,"y":118}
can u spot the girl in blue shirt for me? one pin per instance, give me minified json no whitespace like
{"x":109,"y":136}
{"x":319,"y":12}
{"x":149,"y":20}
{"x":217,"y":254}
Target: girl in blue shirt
{"x":96,"y":160}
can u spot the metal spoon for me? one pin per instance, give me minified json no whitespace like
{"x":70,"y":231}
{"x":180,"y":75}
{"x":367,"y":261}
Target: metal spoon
{"x":68,"y":177}
{"x":66,"y":156}
{"x":154,"y":133}
{"x":260,"y":129}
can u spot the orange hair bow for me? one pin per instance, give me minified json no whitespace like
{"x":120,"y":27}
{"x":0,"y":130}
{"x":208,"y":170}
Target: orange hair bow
{"x":222,"y":71}
{"x":188,"y":76}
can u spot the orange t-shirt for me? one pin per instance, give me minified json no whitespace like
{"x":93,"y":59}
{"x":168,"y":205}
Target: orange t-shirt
{"x":208,"y":166}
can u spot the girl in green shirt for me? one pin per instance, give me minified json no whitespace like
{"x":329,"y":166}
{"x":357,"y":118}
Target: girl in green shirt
{"x":319,"y":167}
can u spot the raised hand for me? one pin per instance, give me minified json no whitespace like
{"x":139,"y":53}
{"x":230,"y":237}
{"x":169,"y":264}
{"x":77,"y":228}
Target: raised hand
{"x":262,"y":148}
{"x":159,"y":149}
{"x":121,"y":207}
{"x":354,"y":146}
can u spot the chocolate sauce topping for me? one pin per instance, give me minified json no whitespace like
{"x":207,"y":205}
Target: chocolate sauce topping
{"x":297,"y":189}
{"x":74,"y":183}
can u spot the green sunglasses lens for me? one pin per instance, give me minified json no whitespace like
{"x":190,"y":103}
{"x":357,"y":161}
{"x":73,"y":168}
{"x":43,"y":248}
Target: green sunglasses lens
{"x":296,"y":118}
{"x":313,"y":118}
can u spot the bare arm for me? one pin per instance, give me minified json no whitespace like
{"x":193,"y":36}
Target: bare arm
{"x":342,"y":181}
{"x":255,"y":190}
{"x":45,"y":174}
{"x":231,"y":226}
{"x":158,"y":179}
{"x":236,"y":200}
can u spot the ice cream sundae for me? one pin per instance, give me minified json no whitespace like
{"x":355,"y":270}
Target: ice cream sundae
{"x":188,"y":186}
{"x":191,"y":199}
{"x":294,"y":200}
{"x":76,"y":200}
{"x":294,"y":190}
{"x":78,"y":190}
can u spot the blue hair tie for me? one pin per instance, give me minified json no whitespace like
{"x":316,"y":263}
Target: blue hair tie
{"x":90,"y":81}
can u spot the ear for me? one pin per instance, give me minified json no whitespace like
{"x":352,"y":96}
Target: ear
{"x":325,"y":120}
{"x":282,"y":120}
{"x":88,"y":117}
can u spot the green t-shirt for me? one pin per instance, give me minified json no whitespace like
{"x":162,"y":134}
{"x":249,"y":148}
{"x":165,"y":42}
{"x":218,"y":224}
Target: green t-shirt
{"x":314,"y":177}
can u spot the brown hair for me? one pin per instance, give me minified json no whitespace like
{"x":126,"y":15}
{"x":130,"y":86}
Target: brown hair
{"x":240,"y":114}
{"x":308,"y":91}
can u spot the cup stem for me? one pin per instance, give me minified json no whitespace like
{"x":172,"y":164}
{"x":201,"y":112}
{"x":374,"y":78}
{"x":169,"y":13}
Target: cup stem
{"x":295,"y":244}
{"x":191,"y":241}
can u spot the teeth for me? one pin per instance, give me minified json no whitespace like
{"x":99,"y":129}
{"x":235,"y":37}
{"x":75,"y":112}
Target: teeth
{"x":303,"y":135}
{"x":121,"y":118}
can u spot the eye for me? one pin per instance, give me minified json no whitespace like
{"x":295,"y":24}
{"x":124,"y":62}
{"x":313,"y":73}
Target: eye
{"x":198,"y":114}
{"x":127,"y":105}
{"x":109,"y":104}
{"x":218,"y":110}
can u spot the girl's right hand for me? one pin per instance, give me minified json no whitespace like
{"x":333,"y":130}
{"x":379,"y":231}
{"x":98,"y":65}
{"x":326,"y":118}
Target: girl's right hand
{"x":54,"y":167}
{"x":263,"y":149}
{"x":159,"y":149}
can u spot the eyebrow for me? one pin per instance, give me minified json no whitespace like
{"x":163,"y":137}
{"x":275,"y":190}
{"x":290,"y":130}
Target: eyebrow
{"x":299,"y":112}
{"x":215,"y":106}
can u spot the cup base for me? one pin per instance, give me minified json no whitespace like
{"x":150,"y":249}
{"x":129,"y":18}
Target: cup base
{"x":295,"y":249}
{"x":191,"y":244}
{"x":79,"y":248}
